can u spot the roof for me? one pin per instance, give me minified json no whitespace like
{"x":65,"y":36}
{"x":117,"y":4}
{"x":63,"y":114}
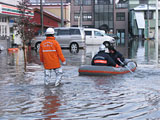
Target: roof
{"x":50,"y":15}
{"x":145,"y":7}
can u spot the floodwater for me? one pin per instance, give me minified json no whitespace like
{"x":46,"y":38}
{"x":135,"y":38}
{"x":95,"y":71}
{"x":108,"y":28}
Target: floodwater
{"x":120,"y":97}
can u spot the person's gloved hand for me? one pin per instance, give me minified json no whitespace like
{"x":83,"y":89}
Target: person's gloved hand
{"x":64,"y":63}
{"x":118,"y":59}
{"x":117,"y":66}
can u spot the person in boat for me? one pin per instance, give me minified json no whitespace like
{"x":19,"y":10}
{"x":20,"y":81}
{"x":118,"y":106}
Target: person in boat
{"x":50,"y":55}
{"x":115,"y":55}
{"x":103,"y":59}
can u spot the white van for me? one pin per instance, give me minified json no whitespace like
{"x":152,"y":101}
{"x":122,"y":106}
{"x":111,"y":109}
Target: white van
{"x":96,"y":37}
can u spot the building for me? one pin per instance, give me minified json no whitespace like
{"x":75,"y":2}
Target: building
{"x":50,"y":20}
{"x":8,"y":13}
{"x":121,"y":22}
{"x":142,"y":18}
{"x":104,"y":14}
{"x":82,"y":13}
{"x":54,"y":7}
{"x":8,"y":10}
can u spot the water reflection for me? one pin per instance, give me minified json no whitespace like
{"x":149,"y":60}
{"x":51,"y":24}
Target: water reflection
{"x":51,"y":103}
{"x":143,"y":51}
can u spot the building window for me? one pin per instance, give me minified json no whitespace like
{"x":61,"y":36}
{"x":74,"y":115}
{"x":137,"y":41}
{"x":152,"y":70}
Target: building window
{"x":120,"y":16}
{"x":143,"y":1}
{"x":102,"y":2}
{"x":121,"y":37}
{"x":110,"y":18}
{"x":76,"y":16}
{"x":87,"y":17}
{"x":105,"y":16}
{"x":87,"y":2}
{"x":83,"y":2}
{"x":159,"y":15}
{"x":148,"y":14}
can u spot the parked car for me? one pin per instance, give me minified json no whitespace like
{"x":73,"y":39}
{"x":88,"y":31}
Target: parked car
{"x":68,"y":37}
{"x":96,"y":37}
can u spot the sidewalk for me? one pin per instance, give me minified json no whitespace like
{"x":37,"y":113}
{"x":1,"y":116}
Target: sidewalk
{"x":5,"y":43}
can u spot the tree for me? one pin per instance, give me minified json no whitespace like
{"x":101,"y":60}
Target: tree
{"x":24,"y":26}
{"x":104,"y":27}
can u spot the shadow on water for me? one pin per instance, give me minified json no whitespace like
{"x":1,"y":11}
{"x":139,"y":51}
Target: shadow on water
{"x":118,"y":97}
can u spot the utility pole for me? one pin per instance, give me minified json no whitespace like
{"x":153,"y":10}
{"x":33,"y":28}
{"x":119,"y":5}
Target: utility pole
{"x":81,"y":12}
{"x":62,"y":21}
{"x":148,"y":20}
{"x":156,"y":35}
{"x":41,"y":9}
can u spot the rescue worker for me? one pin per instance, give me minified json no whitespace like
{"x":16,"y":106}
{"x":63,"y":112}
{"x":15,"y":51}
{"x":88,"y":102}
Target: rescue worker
{"x":103,"y":59}
{"x":115,"y":55}
{"x":50,"y":55}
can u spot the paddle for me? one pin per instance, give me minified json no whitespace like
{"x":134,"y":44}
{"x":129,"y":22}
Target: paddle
{"x":125,"y":65}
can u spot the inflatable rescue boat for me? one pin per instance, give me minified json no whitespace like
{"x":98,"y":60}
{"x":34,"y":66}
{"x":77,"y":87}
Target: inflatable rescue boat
{"x":130,"y":66}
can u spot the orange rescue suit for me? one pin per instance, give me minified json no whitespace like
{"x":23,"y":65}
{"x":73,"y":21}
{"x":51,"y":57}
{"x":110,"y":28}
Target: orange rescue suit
{"x":50,"y":52}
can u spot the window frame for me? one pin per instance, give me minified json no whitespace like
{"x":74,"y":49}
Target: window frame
{"x":120,"y":16}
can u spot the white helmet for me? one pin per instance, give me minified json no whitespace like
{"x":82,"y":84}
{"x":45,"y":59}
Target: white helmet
{"x":102,"y":48}
{"x":49,"y":31}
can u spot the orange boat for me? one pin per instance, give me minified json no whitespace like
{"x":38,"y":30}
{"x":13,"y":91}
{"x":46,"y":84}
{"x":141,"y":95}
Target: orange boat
{"x":107,"y":70}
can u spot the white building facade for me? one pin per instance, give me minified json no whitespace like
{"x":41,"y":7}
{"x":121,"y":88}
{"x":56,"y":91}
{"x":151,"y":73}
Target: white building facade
{"x":8,"y":12}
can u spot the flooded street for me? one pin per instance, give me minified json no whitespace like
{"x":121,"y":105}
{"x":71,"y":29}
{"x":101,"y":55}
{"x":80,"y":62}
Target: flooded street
{"x":119,"y":97}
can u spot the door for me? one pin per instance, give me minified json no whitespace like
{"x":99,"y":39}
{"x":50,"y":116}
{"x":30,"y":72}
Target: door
{"x":98,"y":38}
{"x":89,"y":36}
{"x":63,"y":37}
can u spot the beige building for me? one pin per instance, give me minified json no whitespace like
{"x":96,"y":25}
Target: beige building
{"x":55,"y":8}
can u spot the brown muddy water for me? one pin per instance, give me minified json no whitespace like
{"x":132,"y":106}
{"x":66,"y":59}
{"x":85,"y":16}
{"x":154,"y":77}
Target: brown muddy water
{"x":119,"y":97}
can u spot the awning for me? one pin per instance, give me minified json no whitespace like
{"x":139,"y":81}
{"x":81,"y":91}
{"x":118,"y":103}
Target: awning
{"x":140,"y":20}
